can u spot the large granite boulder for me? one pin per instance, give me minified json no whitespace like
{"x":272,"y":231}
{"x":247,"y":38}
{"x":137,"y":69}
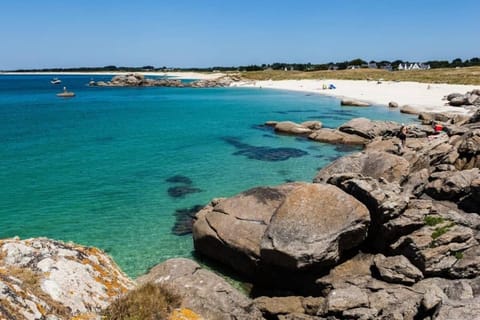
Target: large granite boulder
{"x":313,"y":227}
{"x":335,"y":136}
{"x":354,"y":103}
{"x":370,"y":164}
{"x":232,"y":229}
{"x":47,"y":279}
{"x":369,"y":129}
{"x":291,"y":226}
{"x":409,"y":110}
{"x":201,"y":290}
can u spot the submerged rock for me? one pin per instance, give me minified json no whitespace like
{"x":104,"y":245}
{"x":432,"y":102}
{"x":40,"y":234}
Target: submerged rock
{"x":182,"y":191}
{"x":184,"y":220}
{"x":264,"y":153}
{"x":179,"y":179}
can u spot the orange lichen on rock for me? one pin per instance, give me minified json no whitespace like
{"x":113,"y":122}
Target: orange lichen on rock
{"x":184,"y":314}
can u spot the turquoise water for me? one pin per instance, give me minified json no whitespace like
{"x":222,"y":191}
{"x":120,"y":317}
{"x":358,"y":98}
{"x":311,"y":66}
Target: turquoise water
{"x":93,"y":169}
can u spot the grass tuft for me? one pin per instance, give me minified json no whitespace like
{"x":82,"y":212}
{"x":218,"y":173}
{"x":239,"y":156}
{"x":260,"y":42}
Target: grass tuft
{"x":439,"y":231}
{"x":458,"y":255}
{"x":148,"y":302}
{"x":432,"y":220}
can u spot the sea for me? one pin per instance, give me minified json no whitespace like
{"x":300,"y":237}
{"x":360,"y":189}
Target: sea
{"x":123,"y":169}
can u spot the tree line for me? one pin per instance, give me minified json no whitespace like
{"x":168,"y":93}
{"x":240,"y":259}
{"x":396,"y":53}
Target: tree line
{"x":357,"y":63}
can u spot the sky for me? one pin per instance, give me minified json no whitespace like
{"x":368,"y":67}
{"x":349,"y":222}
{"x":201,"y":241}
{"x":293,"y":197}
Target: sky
{"x":207,"y":33}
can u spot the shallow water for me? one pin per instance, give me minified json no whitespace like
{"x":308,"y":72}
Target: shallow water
{"x":93,"y":169}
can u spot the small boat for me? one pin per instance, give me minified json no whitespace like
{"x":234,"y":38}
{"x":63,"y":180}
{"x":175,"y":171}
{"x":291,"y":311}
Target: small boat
{"x":55,"y":81}
{"x":66,"y":94}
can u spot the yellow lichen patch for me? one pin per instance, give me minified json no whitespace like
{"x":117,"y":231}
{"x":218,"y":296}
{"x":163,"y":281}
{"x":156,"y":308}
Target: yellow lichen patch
{"x":41,"y":309}
{"x":184,"y":314}
{"x":85,"y":316}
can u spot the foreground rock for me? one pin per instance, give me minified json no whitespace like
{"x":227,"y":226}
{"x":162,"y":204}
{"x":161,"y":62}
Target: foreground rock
{"x":201,"y":290}
{"x":42,"y":278}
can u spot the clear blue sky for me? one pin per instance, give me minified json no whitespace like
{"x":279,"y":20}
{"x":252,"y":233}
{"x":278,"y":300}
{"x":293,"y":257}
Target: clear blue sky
{"x":201,"y":33}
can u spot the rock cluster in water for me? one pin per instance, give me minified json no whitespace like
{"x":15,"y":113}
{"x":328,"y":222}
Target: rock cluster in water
{"x":139,"y":80}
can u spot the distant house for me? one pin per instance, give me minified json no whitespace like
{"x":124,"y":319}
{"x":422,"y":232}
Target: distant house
{"x":387,"y":67}
{"x":353,"y":67}
{"x":332,"y":67}
{"x":413,"y":66}
{"x":372,"y":65}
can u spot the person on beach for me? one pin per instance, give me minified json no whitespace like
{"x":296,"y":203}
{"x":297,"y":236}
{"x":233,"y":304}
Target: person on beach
{"x":402,"y":135}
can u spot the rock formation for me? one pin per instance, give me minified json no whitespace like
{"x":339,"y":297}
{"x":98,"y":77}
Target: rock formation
{"x":202,"y":291}
{"x":421,"y":229}
{"x":139,"y":80}
{"x":467,"y":99}
{"x":46,"y":279}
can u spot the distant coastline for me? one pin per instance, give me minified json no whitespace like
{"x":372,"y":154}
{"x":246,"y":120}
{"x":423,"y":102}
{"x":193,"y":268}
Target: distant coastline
{"x":178,"y":75}
{"x":419,"y":96}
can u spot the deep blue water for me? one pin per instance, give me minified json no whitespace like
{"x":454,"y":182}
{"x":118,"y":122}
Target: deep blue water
{"x":93,"y":169}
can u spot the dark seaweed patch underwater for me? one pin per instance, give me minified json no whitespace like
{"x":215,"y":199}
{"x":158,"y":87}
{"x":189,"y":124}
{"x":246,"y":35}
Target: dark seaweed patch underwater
{"x":264,"y":153}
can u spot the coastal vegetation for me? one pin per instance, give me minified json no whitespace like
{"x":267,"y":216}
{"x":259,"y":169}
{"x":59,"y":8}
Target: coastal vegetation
{"x":467,"y":75}
{"x":150,"y":301}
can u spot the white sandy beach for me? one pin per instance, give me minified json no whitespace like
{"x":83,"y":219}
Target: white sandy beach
{"x":421,"y":96}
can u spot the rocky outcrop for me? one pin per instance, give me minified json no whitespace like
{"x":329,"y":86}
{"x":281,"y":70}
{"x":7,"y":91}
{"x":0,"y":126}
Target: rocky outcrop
{"x":46,"y":279}
{"x":467,"y":99}
{"x":423,"y":229}
{"x":358,"y":131}
{"x":139,"y":80}
{"x":369,"y":129}
{"x":201,"y":290}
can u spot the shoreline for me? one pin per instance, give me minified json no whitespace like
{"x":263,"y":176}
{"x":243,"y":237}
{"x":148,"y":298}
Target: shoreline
{"x":422,"y":97}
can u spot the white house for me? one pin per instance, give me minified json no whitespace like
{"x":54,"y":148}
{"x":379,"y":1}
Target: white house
{"x":413,"y":66}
